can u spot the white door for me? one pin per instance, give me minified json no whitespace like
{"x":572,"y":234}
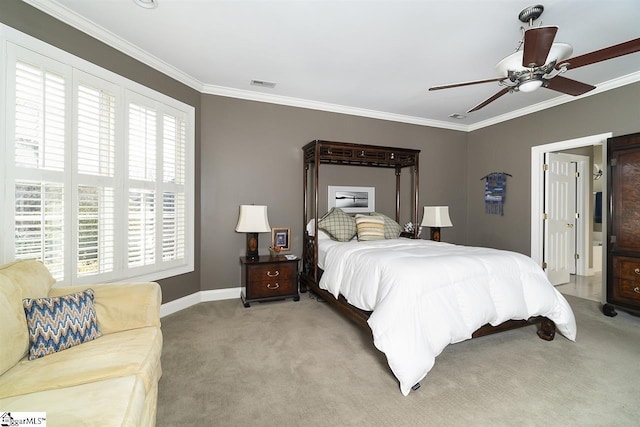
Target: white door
{"x":559,"y":205}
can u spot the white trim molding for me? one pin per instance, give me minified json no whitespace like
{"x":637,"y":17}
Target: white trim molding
{"x":325,"y":106}
{"x":198,"y":297}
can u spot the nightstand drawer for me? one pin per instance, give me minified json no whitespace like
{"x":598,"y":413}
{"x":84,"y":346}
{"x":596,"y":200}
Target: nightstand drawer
{"x":271,"y":288}
{"x":279,"y":272}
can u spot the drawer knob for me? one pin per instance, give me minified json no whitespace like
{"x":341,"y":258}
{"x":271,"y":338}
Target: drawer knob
{"x":276,"y":286}
{"x":636,"y":289}
{"x":637,"y":270}
{"x":277,"y":273}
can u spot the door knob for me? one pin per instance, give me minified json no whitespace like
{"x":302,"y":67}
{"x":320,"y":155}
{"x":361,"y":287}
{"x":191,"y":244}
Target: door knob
{"x":569,"y":225}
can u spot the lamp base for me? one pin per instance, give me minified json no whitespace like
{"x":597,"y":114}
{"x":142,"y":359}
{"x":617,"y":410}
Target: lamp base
{"x":252,"y":246}
{"x":435,"y":234}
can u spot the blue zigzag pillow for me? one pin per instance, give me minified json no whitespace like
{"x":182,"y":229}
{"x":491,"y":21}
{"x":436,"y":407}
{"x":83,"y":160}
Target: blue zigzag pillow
{"x":59,"y":323}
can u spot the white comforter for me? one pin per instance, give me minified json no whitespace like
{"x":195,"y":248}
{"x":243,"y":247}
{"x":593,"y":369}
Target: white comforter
{"x":425,"y":295}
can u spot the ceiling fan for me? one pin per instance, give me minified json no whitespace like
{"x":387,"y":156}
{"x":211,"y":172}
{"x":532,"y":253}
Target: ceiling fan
{"x":541,"y":61}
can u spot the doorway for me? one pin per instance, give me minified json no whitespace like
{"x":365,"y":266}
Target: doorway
{"x":563,"y":233}
{"x":538,"y":154}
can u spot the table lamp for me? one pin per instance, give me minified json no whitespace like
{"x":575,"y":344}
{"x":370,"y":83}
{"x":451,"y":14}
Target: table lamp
{"x":436,"y":217}
{"x":253,"y":220}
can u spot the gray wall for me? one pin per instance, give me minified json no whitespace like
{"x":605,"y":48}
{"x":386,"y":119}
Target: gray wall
{"x":252,"y":153}
{"x":507,"y":147}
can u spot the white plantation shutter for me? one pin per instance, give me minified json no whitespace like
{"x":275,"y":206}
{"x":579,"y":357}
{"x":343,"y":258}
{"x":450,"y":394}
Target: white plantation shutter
{"x":173,"y":226}
{"x":39,"y":138}
{"x":95,"y":180}
{"x":142,"y":146}
{"x":174,"y":149}
{"x":95,"y":160}
{"x":173,"y":200}
{"x":142,"y":143}
{"x":142,"y":228}
{"x":96,"y":131}
{"x":40,"y":118}
{"x":96,"y":230}
{"x":39,"y":224}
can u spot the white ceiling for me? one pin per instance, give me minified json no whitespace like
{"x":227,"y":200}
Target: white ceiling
{"x":362,"y":57}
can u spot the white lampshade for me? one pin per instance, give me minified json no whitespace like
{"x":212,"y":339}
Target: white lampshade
{"x":436,"y":216}
{"x":253,"y":219}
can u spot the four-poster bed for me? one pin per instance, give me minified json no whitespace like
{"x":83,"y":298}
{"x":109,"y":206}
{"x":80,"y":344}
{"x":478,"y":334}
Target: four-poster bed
{"x":317,"y":153}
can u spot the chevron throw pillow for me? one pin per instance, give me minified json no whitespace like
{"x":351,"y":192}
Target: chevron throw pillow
{"x":59,"y":323}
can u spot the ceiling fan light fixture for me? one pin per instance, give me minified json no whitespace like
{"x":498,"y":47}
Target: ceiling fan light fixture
{"x":530,"y":85}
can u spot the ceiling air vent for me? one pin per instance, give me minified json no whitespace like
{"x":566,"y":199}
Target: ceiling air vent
{"x":458,"y":116}
{"x":263,"y":83}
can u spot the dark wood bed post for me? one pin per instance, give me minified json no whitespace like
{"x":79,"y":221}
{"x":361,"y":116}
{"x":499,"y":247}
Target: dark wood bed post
{"x":398,"y":172}
{"x":305,"y":183}
{"x":305,"y":202}
{"x":316,"y":161}
{"x":416,"y":184}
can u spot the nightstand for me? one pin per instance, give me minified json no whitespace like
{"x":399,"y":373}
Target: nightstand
{"x":269,"y":278}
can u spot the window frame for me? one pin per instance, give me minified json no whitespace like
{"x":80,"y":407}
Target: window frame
{"x":16,"y":44}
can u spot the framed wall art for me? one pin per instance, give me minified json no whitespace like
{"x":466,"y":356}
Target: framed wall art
{"x":352,"y":199}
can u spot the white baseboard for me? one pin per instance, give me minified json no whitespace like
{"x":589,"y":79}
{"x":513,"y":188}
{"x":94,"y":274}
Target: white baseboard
{"x":202,"y":296}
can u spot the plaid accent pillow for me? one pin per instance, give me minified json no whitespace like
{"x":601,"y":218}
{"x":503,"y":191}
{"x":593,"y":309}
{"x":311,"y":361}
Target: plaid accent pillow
{"x":391,"y":228}
{"x":339,"y":225}
{"x":370,"y":227}
{"x":59,"y":323}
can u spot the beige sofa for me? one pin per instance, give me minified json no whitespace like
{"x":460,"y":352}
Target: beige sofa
{"x":110,"y":381}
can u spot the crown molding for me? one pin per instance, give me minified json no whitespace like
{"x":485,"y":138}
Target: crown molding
{"x":67,"y":16}
{"x":324,"y":106}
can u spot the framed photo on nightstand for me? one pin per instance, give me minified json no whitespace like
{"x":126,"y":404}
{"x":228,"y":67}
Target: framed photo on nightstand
{"x":280,"y":238}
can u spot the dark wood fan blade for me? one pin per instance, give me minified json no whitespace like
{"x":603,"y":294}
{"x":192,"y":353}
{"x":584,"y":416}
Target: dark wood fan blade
{"x":490,"y":100}
{"x":475,"y":82}
{"x":537,"y":43}
{"x":632,"y":46}
{"x":568,"y":86}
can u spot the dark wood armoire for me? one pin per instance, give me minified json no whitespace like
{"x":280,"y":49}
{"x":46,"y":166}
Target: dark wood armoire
{"x":623,"y":229}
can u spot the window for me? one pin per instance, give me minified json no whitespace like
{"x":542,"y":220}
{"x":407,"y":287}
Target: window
{"x":95,"y":180}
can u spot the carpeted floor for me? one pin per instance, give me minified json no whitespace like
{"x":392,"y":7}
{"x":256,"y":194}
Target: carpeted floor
{"x":303,"y":364}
